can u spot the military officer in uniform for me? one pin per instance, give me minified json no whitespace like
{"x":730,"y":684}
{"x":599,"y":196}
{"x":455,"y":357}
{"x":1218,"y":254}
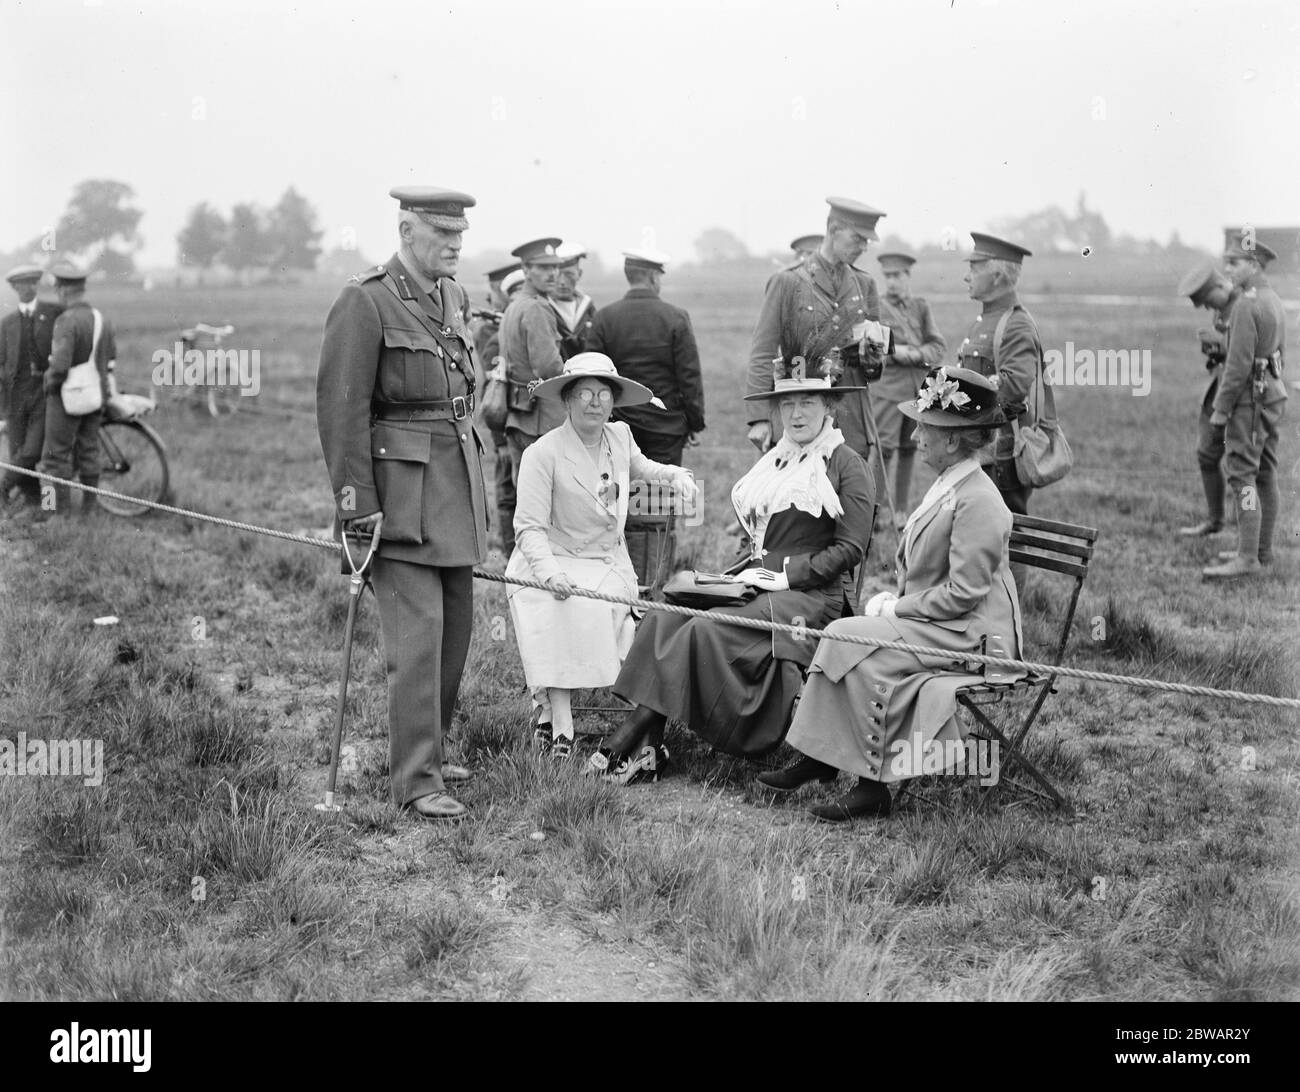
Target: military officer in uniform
{"x":652,"y":342}
{"x":574,"y":309}
{"x":394,"y":407}
{"x":530,"y":344}
{"x":817,"y":311}
{"x":487,"y":346}
{"x":1206,"y":287}
{"x":805,"y":247}
{"x":918,"y":347}
{"x":26,"y":338}
{"x":1250,"y":403}
{"x":1010,"y":350}
{"x":79,"y":332}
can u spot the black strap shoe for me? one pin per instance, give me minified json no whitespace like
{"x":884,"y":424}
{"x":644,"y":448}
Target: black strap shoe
{"x":867,"y":799}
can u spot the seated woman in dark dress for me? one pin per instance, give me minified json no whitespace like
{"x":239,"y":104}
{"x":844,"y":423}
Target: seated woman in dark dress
{"x":807,"y":507}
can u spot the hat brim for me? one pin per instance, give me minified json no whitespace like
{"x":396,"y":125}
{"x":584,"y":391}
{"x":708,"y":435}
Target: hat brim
{"x":629,"y":391}
{"x":832,"y":391}
{"x":943,"y":419}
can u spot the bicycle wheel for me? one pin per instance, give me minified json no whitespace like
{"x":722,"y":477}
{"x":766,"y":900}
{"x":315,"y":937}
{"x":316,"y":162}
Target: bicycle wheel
{"x":134,"y":462}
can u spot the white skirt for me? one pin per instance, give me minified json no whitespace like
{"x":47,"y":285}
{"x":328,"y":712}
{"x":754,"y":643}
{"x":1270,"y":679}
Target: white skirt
{"x":576,"y":642}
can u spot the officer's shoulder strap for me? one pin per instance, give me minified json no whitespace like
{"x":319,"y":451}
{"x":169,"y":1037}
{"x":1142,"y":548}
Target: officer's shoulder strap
{"x":369,"y":275}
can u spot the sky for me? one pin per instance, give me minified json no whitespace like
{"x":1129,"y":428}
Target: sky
{"x":622,"y":123}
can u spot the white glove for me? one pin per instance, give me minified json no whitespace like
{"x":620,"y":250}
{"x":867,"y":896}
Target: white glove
{"x":690,"y":491}
{"x":880,"y":605}
{"x":764,"y":579}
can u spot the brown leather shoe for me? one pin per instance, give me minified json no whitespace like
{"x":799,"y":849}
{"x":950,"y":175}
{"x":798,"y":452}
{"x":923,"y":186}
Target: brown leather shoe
{"x":451,"y":773}
{"x":438,"y":805}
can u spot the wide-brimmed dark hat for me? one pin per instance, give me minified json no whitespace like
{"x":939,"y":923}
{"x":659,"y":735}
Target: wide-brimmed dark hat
{"x":955,"y":398}
{"x":627,"y":392}
{"x":797,"y":380}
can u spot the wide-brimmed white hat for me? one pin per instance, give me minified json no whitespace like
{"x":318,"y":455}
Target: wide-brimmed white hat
{"x":627,"y":392}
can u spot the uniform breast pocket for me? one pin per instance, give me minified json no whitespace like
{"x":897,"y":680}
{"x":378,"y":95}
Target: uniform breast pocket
{"x":400,"y":458}
{"x":411,"y":371}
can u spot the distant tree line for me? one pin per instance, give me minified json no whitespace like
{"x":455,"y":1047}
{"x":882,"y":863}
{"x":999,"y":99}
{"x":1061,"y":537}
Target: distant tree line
{"x":284,"y":237}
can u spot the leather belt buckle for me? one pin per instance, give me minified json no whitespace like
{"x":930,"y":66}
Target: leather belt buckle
{"x":459,"y":408}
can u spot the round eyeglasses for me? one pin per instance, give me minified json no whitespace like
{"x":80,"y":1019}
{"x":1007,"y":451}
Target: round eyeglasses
{"x":586,"y":396}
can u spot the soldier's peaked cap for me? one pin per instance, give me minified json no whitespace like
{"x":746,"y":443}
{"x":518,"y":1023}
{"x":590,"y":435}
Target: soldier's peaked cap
{"x":67,"y":271}
{"x":807,"y":242}
{"x":991,"y":247}
{"x":1243,"y":244}
{"x":496,"y":275}
{"x":856,"y":214}
{"x":1197,"y":281}
{"x":645,"y":258}
{"x":568,"y":253}
{"x":436,"y":206}
{"x":25,"y":272}
{"x":539,"y":252}
{"x":895,"y":259}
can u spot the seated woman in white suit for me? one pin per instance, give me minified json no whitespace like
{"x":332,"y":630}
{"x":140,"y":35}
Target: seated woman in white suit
{"x":871,"y":711}
{"x":572,"y":504}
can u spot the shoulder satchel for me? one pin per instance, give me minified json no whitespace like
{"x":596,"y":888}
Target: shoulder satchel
{"x":1041,"y":451}
{"x":496,"y":396}
{"x":83,"y":391}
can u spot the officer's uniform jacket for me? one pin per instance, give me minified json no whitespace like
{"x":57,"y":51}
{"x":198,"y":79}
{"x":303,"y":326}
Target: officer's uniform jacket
{"x":652,"y":342}
{"x":17,"y":372}
{"x":72,"y":337}
{"x":1256,"y":332}
{"x":380,"y":348}
{"x":913,"y":326}
{"x":1018,"y":366}
{"x":573,"y":338}
{"x":530,"y":343}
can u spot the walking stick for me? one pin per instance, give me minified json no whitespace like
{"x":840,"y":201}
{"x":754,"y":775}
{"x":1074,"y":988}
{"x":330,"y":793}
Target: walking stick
{"x":355,"y":585}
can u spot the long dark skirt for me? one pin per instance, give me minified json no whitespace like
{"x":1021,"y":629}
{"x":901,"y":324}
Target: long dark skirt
{"x":721,"y":681}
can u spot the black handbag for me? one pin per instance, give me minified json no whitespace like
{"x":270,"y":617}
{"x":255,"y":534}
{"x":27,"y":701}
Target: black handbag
{"x":702,"y":591}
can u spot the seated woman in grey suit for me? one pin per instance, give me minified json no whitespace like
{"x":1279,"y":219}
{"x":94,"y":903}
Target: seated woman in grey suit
{"x":572,"y":504}
{"x":871,"y":710}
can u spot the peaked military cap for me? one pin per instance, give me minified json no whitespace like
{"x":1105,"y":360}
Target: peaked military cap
{"x":498,"y":275}
{"x":990,"y":246}
{"x":1242,"y":244}
{"x":437,"y":207}
{"x":895,"y":259}
{"x":570,"y":253}
{"x":806,"y":242}
{"x":67,"y":271}
{"x":856,"y":215}
{"x":513,"y":280}
{"x":645,"y":258}
{"x":25,"y":272}
{"x":538,"y":252}
{"x":1197,"y":281}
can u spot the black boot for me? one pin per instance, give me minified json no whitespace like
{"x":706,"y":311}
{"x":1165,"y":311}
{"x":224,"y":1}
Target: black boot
{"x":865,"y":799}
{"x":799,"y":772}
{"x":636,"y":727}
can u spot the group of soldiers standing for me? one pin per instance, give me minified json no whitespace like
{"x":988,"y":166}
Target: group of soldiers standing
{"x":40,"y":342}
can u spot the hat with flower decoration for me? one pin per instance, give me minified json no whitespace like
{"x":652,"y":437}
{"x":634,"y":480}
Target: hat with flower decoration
{"x":955,"y":398}
{"x":800,"y":377}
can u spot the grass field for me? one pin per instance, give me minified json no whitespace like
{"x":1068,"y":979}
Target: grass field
{"x":198,"y":869}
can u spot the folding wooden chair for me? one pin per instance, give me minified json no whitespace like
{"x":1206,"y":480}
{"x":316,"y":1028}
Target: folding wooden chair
{"x":1063,"y":548}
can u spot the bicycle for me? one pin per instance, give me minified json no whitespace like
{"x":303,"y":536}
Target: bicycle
{"x":216,"y":334}
{"x":133,"y":459}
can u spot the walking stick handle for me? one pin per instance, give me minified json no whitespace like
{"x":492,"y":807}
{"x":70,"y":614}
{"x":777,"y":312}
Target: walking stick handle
{"x":358,"y":571}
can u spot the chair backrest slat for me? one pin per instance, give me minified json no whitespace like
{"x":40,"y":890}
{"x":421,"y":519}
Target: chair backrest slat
{"x":1051,"y":545}
{"x":1076,"y":569}
{"x":1070,"y":530}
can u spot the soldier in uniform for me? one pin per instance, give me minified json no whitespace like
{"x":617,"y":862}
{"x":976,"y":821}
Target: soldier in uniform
{"x":574,"y":310}
{"x":1249,"y":404}
{"x":652,"y":342}
{"x":26,"y":339}
{"x":71,"y":439}
{"x":918,"y":347}
{"x":1206,"y":287}
{"x":530,"y":343}
{"x":817,"y":311}
{"x":1010,"y":350}
{"x":805,"y":247}
{"x":487,"y":346}
{"x":394,"y":406}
